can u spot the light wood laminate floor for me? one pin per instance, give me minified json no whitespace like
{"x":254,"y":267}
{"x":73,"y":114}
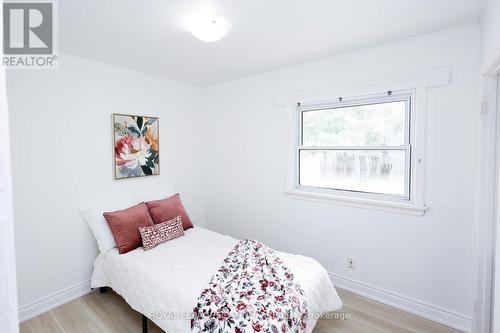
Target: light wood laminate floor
{"x":109,"y":313}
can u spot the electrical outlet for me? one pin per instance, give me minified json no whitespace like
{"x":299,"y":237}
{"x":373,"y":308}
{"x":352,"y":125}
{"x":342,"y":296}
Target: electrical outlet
{"x":350,"y":263}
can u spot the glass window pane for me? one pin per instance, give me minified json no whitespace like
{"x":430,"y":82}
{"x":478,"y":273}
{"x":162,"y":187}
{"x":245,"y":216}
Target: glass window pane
{"x":374,"y":124}
{"x":375,"y":171}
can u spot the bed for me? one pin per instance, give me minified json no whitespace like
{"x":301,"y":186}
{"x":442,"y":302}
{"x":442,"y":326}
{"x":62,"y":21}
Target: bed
{"x":164,"y":283}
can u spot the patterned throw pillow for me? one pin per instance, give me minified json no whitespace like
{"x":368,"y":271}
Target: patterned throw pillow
{"x":160,"y":233}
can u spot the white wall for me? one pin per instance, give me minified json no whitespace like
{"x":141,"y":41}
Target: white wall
{"x":490,"y":36}
{"x":62,"y":160}
{"x":427,"y":260}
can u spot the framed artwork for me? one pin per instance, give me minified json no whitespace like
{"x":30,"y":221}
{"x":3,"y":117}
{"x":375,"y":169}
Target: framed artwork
{"x":136,"y":142}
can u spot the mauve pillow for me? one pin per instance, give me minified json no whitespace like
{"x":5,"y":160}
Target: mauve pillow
{"x":167,"y":209}
{"x":124,"y":225}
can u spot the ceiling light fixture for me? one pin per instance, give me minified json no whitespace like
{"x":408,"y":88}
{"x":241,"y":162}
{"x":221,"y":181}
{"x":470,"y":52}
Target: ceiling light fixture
{"x":210,"y":29}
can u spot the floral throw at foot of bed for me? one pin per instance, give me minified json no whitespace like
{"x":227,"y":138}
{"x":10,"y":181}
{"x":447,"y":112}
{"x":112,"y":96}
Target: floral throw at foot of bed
{"x":253,"y":291}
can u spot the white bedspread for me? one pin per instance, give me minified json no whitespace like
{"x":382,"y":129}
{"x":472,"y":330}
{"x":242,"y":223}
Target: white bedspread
{"x":166,"y":281}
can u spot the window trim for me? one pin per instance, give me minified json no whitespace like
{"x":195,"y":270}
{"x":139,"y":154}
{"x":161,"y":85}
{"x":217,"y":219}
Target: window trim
{"x":407,"y":96}
{"x":419,"y":82}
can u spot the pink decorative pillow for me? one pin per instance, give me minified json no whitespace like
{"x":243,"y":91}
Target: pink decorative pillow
{"x":160,"y":233}
{"x":124,"y":225}
{"x":167,"y":209}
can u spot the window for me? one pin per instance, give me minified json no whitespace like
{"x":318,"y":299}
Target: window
{"x":366,"y":149}
{"x":357,"y":147}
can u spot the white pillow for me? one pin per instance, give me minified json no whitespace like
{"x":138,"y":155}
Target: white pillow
{"x":100,"y":229}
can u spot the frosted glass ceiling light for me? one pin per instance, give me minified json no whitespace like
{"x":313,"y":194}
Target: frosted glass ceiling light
{"x":210,"y":29}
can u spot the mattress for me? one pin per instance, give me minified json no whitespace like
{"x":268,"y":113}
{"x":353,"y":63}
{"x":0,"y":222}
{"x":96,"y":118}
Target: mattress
{"x":164,"y":283}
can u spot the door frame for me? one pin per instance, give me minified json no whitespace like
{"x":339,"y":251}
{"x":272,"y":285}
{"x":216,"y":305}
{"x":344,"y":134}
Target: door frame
{"x":9,"y":320}
{"x":8,"y":289}
{"x":487,"y":205}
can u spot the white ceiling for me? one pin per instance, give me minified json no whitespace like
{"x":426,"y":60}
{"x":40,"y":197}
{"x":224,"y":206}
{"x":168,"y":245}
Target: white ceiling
{"x":151,"y":35}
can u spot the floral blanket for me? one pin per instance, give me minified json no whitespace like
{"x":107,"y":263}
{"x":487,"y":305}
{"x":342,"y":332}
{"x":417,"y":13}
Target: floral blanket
{"x":253,"y":291}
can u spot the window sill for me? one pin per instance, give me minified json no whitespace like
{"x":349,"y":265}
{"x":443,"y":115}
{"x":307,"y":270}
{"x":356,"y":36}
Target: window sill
{"x":387,"y":206}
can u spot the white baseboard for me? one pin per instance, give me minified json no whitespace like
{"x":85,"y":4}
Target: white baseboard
{"x":432,"y":312}
{"x":52,"y":301}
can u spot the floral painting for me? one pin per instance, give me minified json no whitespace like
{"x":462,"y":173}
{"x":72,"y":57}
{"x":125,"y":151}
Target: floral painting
{"x":137,"y":146}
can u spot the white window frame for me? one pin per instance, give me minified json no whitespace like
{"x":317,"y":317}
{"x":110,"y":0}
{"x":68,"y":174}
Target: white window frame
{"x":417,"y":83}
{"x":407,"y":96}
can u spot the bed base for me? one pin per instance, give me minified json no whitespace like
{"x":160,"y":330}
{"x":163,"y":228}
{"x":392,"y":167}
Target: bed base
{"x":104,"y":290}
{"x":144,"y":324}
